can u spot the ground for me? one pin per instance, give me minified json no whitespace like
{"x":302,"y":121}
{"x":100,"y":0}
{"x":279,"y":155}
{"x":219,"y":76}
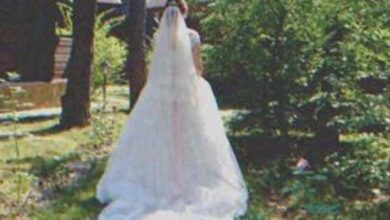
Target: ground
{"x":50,"y":174}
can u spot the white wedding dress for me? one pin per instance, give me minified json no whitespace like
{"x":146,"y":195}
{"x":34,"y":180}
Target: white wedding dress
{"x":173,"y":160}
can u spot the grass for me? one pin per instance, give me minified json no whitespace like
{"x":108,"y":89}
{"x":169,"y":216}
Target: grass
{"x":50,"y":143}
{"x":40,"y":146}
{"x":33,"y":148}
{"x":76,"y":203}
{"x":276,"y":190}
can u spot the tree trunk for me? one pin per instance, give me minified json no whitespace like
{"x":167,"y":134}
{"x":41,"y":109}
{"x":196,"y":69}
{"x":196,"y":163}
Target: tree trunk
{"x":76,"y":101}
{"x":135,"y":64}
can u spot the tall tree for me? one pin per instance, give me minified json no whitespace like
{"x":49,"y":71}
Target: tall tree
{"x":76,"y":101}
{"x":135,"y":64}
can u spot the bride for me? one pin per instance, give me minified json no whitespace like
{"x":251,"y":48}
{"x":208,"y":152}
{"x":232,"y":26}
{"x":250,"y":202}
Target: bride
{"x":173,"y":160}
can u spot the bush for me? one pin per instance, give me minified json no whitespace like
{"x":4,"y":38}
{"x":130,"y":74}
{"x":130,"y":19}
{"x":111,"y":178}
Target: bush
{"x":352,"y":184}
{"x":364,"y":167}
{"x":108,"y":51}
{"x":296,"y":65}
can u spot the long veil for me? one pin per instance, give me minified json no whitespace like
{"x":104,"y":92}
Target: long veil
{"x":171,"y":63}
{"x":173,"y":160}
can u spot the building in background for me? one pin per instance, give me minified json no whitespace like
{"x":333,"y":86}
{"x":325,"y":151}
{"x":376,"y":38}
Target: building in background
{"x":31,"y":46}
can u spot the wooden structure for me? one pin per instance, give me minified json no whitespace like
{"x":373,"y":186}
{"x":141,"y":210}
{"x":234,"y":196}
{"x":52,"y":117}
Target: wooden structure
{"x":27,"y":38}
{"x":30,"y":47}
{"x":61,"y":56}
{"x":36,"y":95}
{"x":28,"y":41}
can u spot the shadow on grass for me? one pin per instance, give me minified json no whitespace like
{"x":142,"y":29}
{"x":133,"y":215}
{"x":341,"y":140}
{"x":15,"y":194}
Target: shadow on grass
{"x":76,"y":201}
{"x":54,"y":129}
{"x":259,"y":149}
{"x":51,"y":130}
{"x":30,"y":118}
{"x":26,"y":160}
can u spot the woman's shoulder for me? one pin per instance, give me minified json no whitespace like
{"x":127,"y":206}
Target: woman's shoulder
{"x":194,"y":36}
{"x":192,"y":31}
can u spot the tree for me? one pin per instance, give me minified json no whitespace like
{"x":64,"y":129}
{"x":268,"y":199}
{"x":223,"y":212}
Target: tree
{"x":294,"y":66}
{"x":76,"y":101}
{"x":135,"y":64}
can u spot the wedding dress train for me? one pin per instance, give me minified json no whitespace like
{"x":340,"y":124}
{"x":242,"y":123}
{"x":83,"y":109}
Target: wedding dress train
{"x":173,"y":159}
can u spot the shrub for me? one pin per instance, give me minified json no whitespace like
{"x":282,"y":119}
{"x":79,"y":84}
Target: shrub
{"x":363,"y":169}
{"x":296,"y":65}
{"x":108,"y":51}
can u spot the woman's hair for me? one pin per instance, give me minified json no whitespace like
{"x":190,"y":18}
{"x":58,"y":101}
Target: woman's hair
{"x":181,"y":4}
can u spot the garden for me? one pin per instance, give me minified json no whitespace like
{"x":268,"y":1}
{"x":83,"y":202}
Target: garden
{"x":302,"y":86}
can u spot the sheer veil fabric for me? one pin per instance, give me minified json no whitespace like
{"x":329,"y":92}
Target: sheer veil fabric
{"x":173,"y":159}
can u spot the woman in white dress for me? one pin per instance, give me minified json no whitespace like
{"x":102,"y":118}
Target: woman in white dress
{"x":173,"y":160}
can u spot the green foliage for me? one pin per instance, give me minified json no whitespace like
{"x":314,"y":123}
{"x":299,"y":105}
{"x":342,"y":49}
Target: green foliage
{"x":104,"y":126}
{"x":374,"y":118}
{"x":300,"y":67}
{"x":66,"y":28}
{"x":108,"y":51}
{"x":296,"y":64}
{"x":368,"y":210}
{"x":352,"y":184}
{"x":51,"y":170}
{"x":363,"y":169}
